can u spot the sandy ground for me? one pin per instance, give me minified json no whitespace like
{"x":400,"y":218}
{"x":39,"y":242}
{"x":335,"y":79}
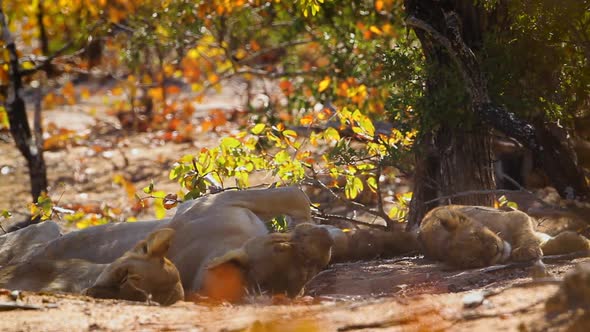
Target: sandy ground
{"x":408,"y":294}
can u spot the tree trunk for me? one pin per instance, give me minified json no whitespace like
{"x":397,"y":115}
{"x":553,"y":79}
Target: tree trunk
{"x":463,"y":156}
{"x":449,"y":31}
{"x":17,"y":117}
{"x":465,"y":164}
{"x":426,"y":185}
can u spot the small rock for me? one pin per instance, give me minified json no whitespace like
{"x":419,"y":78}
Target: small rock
{"x":473,"y":299}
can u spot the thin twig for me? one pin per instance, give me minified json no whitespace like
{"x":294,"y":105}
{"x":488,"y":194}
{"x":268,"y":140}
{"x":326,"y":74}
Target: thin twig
{"x":350,"y":203}
{"x":326,"y":216}
{"x":46,"y":61}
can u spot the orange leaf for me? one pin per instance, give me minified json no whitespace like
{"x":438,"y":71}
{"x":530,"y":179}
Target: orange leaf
{"x":287,"y":87}
{"x":117,"y":91}
{"x":213,"y":78}
{"x":306,"y":120}
{"x":69,"y":93}
{"x":156,"y":94}
{"x":173,"y":90}
{"x":206,"y":125}
{"x":378,"y":5}
{"x":254,"y":45}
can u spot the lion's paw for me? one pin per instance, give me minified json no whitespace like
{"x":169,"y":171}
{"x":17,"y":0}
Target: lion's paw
{"x":526,"y":253}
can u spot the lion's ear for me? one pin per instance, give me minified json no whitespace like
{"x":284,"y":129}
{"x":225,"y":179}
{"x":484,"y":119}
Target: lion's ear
{"x":156,"y":244}
{"x":237,"y":256}
{"x":448,"y":219}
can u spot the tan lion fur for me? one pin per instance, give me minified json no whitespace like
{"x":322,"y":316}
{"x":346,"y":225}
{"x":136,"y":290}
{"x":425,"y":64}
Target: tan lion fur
{"x":360,"y":244}
{"x":474,"y":236}
{"x":20,"y":245}
{"x":281,"y":262}
{"x":139,"y":273}
{"x":206,"y":228}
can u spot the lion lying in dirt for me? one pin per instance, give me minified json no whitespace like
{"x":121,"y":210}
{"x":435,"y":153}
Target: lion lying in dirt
{"x":140,"y":274}
{"x":212,"y":227}
{"x":475,"y":236}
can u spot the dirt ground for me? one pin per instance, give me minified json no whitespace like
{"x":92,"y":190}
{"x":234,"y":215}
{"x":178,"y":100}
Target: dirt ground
{"x":401,"y":294}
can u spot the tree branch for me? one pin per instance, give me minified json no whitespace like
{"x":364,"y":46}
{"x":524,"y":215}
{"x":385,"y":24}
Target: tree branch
{"x":327,"y":216}
{"x":355,"y":205}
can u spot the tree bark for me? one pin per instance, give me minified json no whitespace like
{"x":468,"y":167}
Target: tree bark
{"x":17,"y":117}
{"x":426,"y":185}
{"x":465,"y":164}
{"x":462,"y":158}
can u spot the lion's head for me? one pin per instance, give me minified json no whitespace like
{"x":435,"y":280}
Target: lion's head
{"x":277,"y":262}
{"x":470,"y":244}
{"x":141,"y":272}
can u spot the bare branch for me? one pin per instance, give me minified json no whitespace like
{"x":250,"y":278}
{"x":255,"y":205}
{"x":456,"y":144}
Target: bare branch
{"x":46,"y":61}
{"x":326,"y":216}
{"x":352,"y":204}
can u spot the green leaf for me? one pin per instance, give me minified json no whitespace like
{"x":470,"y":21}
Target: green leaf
{"x":282,"y":157}
{"x":258,"y":128}
{"x":353,"y":187}
{"x":290,"y":133}
{"x":331,"y":134}
{"x":149,"y":189}
{"x":512,"y":205}
{"x":367,"y":125}
{"x":372,"y":183}
{"x":193,"y":194}
{"x":230,"y":143}
{"x":6,"y":214}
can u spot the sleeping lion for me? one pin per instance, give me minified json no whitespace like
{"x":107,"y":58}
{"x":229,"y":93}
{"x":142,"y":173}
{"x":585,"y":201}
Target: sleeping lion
{"x":476,"y":236}
{"x":224,"y":231}
{"x":139,"y":274}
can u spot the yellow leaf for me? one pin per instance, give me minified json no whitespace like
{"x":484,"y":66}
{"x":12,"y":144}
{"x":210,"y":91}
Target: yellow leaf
{"x":375,"y":30}
{"x":28,"y":65}
{"x":353,"y":187}
{"x":290,"y":133}
{"x":193,"y":54}
{"x":240,"y":54}
{"x":306,"y":120}
{"x":159,"y":209}
{"x":258,"y":128}
{"x":324,"y":84}
{"x":372,"y":183}
{"x":331,"y":134}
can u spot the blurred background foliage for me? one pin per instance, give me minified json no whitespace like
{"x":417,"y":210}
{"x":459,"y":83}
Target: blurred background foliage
{"x":348,"y":79}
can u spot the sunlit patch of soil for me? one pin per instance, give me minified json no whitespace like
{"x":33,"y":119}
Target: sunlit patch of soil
{"x":383,"y":295}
